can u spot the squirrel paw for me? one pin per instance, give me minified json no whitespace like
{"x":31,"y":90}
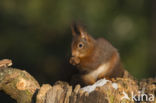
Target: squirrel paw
{"x":74,"y":60}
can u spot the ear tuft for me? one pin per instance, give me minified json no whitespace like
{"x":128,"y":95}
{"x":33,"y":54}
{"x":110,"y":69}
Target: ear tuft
{"x":78,"y":29}
{"x":75,"y":29}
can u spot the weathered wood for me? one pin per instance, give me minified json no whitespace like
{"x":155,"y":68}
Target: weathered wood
{"x":21,"y":86}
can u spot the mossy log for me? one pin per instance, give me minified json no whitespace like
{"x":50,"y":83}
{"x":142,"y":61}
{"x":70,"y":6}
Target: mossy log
{"x":22,"y":87}
{"x":19,"y":84}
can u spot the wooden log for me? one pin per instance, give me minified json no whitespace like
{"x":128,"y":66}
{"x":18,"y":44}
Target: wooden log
{"x":21,"y":86}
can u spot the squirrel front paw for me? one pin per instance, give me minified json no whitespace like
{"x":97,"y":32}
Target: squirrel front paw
{"x":74,"y":60}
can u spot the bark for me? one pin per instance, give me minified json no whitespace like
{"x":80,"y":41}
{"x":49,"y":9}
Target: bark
{"x":21,"y":86}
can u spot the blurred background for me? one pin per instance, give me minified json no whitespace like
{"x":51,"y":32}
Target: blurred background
{"x":36,"y":34}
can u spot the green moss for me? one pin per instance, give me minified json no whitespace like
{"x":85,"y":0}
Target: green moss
{"x":112,"y":99}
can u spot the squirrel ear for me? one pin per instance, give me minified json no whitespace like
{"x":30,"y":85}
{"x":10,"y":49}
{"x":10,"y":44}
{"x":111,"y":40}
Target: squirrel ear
{"x":78,"y":29}
{"x":83,"y":34}
{"x":74,"y":30}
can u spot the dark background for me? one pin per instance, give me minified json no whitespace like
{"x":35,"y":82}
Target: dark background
{"x":36,"y":34}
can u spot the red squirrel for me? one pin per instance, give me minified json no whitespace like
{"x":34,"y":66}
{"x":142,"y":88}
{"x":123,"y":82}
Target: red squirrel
{"x":94,"y":58}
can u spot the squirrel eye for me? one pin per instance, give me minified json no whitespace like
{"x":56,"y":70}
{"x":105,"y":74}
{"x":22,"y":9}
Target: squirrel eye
{"x":80,"y":45}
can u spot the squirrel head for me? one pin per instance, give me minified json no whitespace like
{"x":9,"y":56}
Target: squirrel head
{"x":82,"y":43}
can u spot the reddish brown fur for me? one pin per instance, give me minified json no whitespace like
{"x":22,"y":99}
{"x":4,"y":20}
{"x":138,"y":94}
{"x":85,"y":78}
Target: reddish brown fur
{"x":93,"y":54}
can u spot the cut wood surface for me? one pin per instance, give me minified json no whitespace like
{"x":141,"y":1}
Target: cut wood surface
{"x":22,"y":87}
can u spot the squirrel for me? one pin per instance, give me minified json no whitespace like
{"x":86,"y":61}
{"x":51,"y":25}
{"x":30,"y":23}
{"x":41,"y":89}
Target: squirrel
{"x":94,"y":58}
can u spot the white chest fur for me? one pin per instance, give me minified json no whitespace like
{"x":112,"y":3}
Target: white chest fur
{"x":101,"y":69}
